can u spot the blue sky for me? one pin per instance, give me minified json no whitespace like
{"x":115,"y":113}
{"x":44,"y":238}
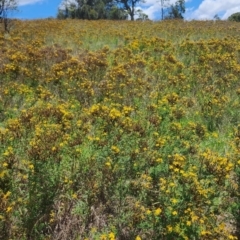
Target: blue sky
{"x":195,"y":9}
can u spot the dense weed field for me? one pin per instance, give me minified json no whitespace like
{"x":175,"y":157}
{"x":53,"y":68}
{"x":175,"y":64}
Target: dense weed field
{"x":120,"y":130}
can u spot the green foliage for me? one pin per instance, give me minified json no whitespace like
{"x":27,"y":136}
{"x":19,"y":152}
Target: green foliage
{"x":91,"y":10}
{"x":116,"y":13}
{"x":235,"y":17}
{"x":129,"y":6}
{"x":101,"y":9}
{"x":141,"y":15}
{"x":120,"y":130}
{"x":176,"y":10}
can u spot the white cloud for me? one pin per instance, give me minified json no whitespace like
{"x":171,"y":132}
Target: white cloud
{"x":65,"y":3}
{"x":153,"y":8}
{"x":209,"y":8}
{"x":230,"y":11}
{"x":27,"y":2}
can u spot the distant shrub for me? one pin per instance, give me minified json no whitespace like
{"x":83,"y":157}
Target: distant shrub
{"x":235,"y":17}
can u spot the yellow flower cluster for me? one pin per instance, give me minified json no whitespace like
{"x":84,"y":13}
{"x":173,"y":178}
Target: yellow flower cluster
{"x":119,"y":130}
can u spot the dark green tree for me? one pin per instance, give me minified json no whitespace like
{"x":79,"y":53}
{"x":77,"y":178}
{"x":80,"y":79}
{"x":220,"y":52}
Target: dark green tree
{"x":216,"y":17}
{"x":141,"y":15}
{"x":235,"y":17}
{"x":91,"y":9}
{"x":129,"y":6}
{"x":116,"y":13}
{"x":176,"y":10}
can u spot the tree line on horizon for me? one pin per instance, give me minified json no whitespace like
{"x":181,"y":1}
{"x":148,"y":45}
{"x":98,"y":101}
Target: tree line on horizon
{"x":116,"y":9}
{"x":105,"y":9}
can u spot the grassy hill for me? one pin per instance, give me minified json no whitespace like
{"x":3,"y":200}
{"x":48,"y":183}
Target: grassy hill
{"x":120,"y":130}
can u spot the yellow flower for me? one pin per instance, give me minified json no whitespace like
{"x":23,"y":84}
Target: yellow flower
{"x":203,"y":233}
{"x":174,"y":200}
{"x":148,"y":212}
{"x":231,"y":237}
{"x":171,"y":184}
{"x":111,"y":236}
{"x":159,"y":160}
{"x":115,"y":149}
{"x":7,"y":195}
{"x":138,"y":238}
{"x":103,"y":237}
{"x":51,"y":220}
{"x":201,"y":221}
{"x":169,"y":228}
{"x":157,"y":212}
{"x":6,"y":164}
{"x":108,"y":164}
{"x":114,"y":113}
{"x":188,"y":223}
{"x":174,"y":213}
{"x":9,"y":209}
{"x":194,"y":218}
{"x":93,"y":230}
{"x":74,"y":196}
{"x":31,"y":166}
